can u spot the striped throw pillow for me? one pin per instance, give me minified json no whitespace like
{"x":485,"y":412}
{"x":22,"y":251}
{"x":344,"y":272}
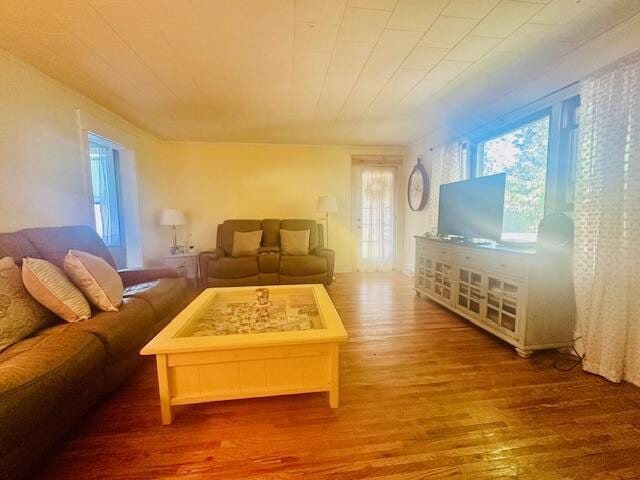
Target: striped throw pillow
{"x":50,"y":286}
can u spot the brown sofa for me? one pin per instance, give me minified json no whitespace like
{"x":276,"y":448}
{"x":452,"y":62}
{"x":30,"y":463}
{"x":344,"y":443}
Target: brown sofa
{"x":51,"y":379}
{"x":219,"y":269}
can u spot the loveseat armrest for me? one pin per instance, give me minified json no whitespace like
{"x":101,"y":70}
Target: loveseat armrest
{"x":204,"y":258}
{"x":136,"y":276}
{"x":330,"y":256}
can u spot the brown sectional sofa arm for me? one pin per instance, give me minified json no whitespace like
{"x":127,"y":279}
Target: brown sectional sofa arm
{"x":330,"y":256}
{"x":135,"y":276}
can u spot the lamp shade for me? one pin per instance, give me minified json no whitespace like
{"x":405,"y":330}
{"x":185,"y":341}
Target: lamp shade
{"x":172,"y":216}
{"x":327,"y":204}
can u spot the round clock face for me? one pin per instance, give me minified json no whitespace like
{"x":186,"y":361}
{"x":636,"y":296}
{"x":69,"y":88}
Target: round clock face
{"x":417,"y":189}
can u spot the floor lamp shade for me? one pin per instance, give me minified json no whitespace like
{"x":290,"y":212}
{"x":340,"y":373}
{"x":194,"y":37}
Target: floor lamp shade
{"x":327,"y":204}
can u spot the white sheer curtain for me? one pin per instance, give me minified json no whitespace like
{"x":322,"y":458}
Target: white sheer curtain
{"x":377,"y":249}
{"x":448,"y":166}
{"x":105,"y":193}
{"x":607,"y":220}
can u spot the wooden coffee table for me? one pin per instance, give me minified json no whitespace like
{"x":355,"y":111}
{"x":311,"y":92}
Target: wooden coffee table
{"x":220,"y":347}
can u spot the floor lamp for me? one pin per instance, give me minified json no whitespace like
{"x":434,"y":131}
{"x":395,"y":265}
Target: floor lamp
{"x":327,"y":204}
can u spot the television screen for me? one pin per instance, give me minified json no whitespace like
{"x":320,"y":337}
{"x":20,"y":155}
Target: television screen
{"x":472,"y":208}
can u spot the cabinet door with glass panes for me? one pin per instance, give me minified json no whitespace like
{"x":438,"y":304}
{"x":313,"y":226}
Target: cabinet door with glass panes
{"x":424,"y":273}
{"x":443,"y":280}
{"x":504,"y":304}
{"x":469,"y":295}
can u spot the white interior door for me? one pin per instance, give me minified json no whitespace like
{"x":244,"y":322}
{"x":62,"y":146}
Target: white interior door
{"x":375,"y":218}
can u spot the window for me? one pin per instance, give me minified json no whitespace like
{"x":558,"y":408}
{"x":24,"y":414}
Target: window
{"x":521,"y":153}
{"x":106,"y":191}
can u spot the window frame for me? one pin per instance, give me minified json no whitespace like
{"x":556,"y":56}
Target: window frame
{"x":559,"y":165}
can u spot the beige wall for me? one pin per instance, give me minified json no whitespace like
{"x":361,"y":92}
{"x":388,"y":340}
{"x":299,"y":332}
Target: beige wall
{"x":213,"y":182}
{"x":44,"y":179}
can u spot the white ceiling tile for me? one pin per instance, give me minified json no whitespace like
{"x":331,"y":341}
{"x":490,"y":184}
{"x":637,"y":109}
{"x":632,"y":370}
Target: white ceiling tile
{"x":363,"y":25}
{"x":351,"y":53}
{"x":416,"y":14}
{"x":506,"y":18}
{"x":325,"y":11}
{"x":338,"y":83}
{"x":397,"y":88}
{"x":364,"y":92}
{"x":528,"y":37}
{"x":446,"y":32}
{"x":469,"y":8}
{"x":560,"y":12}
{"x":447,"y":70}
{"x":374,"y":4}
{"x":315,"y":36}
{"x":471,"y":48}
{"x":424,"y":57}
{"x":392,"y":49}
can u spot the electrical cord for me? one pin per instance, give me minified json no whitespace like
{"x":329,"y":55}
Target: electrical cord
{"x":568,"y":364}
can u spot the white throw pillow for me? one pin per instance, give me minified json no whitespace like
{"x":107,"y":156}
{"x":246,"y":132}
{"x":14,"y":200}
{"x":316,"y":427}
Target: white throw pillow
{"x":98,"y":280}
{"x":50,"y":286}
{"x":294,"y":242}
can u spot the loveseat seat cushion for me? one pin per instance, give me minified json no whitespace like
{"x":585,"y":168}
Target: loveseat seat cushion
{"x":124,"y":331}
{"x":47,"y":383}
{"x":302,"y":265}
{"x":228,"y":267}
{"x":165,"y":295}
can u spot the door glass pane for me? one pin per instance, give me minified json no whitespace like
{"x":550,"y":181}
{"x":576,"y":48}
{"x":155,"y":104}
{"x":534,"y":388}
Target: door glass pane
{"x":377,"y":218}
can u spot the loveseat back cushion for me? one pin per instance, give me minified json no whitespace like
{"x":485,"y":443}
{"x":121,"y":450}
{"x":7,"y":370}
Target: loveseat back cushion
{"x":271,"y":232}
{"x":53,"y":243}
{"x":229,"y":227}
{"x":16,"y":246}
{"x":302,"y":224}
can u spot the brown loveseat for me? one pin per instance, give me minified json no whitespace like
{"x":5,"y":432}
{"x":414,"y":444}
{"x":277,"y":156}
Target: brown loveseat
{"x":51,"y":379}
{"x":219,"y":269}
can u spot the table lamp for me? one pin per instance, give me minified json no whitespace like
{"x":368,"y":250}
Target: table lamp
{"x":327,"y":204}
{"x":173,"y":217}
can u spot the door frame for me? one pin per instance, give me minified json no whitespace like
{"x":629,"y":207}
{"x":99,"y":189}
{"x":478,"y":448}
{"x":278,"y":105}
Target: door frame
{"x":358,"y":162}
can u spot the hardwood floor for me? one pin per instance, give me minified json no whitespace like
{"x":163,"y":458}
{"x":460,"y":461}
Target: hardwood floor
{"x":424,"y":395}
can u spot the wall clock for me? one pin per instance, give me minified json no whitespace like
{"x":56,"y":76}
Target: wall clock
{"x":418,"y":187}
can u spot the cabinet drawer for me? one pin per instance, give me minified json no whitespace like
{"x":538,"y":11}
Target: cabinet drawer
{"x":510,"y":265}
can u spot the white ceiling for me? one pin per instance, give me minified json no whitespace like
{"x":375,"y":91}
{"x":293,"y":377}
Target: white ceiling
{"x":298,"y":71}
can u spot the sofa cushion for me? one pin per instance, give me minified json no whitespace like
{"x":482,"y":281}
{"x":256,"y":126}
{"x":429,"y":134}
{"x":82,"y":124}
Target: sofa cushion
{"x":40,"y":378}
{"x":98,"y":280}
{"x":229,"y":227}
{"x":16,"y":246}
{"x":271,"y":232}
{"x":301,"y":224}
{"x":123,"y":331}
{"x":20,"y":314}
{"x":165,"y":295}
{"x":228,"y":267}
{"x":300,"y":265}
{"x":49,"y":285}
{"x":246,"y":244}
{"x":53,"y":243}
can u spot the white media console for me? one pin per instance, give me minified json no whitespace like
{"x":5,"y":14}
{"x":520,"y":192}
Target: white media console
{"x":523,"y":296}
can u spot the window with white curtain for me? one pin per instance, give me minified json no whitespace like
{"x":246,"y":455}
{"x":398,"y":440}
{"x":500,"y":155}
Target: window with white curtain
{"x":105,"y":188}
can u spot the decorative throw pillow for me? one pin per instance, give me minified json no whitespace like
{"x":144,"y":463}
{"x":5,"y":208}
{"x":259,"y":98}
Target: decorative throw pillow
{"x":50,"y":286}
{"x":20,"y":314}
{"x":294,"y":242}
{"x":246,"y":244}
{"x":98,"y":280}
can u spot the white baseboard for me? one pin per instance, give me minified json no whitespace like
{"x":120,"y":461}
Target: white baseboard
{"x":343,"y":268}
{"x":409,"y":270}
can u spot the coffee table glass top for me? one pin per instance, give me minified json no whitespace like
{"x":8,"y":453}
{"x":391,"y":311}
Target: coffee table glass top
{"x":250,"y":311}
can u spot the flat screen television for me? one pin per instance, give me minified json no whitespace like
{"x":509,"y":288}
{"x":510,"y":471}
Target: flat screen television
{"x":472,"y":208}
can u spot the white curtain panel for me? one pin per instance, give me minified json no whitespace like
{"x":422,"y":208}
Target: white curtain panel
{"x":607,"y":222}
{"x":448,"y":166}
{"x":377,"y":216}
